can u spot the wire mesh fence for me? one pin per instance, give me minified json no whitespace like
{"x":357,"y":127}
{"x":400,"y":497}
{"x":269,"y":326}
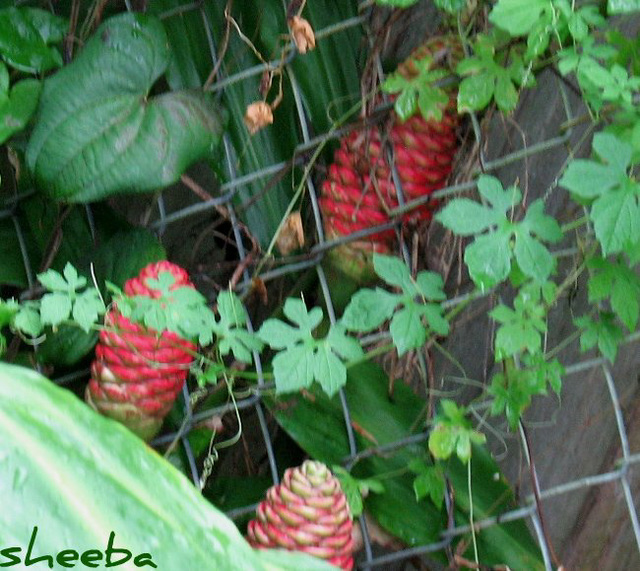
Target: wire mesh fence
{"x":621,"y":471}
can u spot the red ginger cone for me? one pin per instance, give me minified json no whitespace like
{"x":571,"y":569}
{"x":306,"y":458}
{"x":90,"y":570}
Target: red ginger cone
{"x":307,"y":512}
{"x":137,"y":373}
{"x":359,"y":189}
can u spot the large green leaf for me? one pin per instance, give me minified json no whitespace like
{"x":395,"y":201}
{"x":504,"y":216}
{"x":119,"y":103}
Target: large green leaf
{"x":80,"y":477}
{"x":98,"y":132}
{"x":317,"y":425}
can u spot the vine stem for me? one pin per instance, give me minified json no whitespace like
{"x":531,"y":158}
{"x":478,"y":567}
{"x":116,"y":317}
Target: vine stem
{"x":574,"y":224}
{"x":536,"y":494}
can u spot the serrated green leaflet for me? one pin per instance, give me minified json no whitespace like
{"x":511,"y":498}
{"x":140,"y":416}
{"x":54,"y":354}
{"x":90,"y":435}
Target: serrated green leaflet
{"x":518,"y":16}
{"x":522,"y":327}
{"x":603,"y":332}
{"x":615,"y":280}
{"x":368,"y":309}
{"x":489,"y":257}
{"x":616,"y":209}
{"x":485,"y":78}
{"x":231,"y":333}
{"x":55,"y":308}
{"x":98,"y":132}
{"x":418,"y":92}
{"x":302,"y":359}
{"x":513,"y":387}
{"x":452,"y":432}
{"x":429,"y":481}
{"x":87,"y":307}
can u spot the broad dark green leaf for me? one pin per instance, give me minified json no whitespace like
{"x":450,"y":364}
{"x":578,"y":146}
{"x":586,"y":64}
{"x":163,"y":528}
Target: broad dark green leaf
{"x":109,"y":481}
{"x":25,"y":35}
{"x":98,"y":133}
{"x":12,"y":270}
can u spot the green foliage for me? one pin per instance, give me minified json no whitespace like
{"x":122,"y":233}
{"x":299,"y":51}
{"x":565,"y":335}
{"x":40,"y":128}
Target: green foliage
{"x":66,"y":299}
{"x":489,"y":257}
{"x":26,"y":35}
{"x":396,"y":3}
{"x":623,"y":6}
{"x":356,"y":489}
{"x":113,"y":77}
{"x":184,"y":311}
{"x":451,"y":6}
{"x":316,"y":423}
{"x":8,"y":310}
{"x":99,"y":107}
{"x":418,"y":92}
{"x":17,"y":104}
{"x":603,"y":332}
{"x":614,"y":280}
{"x":429,"y":481}
{"x":486,"y":78}
{"x":614,"y":196}
{"x":303,"y":359}
{"x":452,"y":432}
{"x":522,"y":327}
{"x":513,"y":387}
{"x":370,"y":308}
{"x":543,"y":20}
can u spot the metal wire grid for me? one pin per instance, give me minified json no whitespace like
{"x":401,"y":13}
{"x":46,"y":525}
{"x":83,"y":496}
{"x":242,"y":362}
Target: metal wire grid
{"x":227,"y":191}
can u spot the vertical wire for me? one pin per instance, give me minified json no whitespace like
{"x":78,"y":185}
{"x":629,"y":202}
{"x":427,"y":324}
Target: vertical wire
{"x":230,"y":164}
{"x":353,"y":449}
{"x":626,"y":454}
